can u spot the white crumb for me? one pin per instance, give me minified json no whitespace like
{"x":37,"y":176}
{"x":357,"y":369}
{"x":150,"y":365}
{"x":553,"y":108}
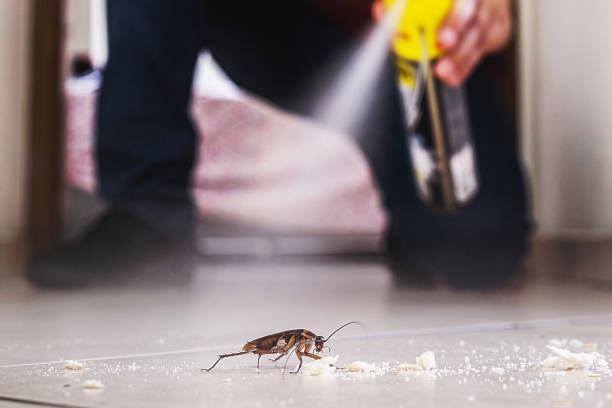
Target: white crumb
{"x":93,"y":385}
{"x":594,"y":375}
{"x":558,"y":342}
{"x":427,"y":360}
{"x":361,"y":367}
{"x":73,"y":365}
{"x":563,"y":390}
{"x":576,"y":343}
{"x":566,"y":360}
{"x":323,"y":367}
{"x":409,"y":367}
{"x":471,"y":398}
{"x":227,"y":380}
{"x":590,"y":346}
{"x":498,"y":370}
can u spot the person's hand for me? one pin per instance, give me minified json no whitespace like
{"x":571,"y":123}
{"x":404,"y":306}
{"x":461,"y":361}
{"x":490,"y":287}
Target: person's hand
{"x":473,"y":29}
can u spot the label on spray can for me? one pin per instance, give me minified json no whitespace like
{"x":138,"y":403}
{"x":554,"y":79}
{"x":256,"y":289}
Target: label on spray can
{"x":460,"y":155}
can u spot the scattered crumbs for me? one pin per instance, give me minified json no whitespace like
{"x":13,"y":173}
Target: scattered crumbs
{"x":73,"y":365}
{"x":227,"y":380}
{"x":563,"y":390}
{"x":408,"y":367}
{"x":93,"y":385}
{"x":498,"y":370}
{"x":565,"y":360}
{"x":323,"y":367}
{"x":361,"y":367}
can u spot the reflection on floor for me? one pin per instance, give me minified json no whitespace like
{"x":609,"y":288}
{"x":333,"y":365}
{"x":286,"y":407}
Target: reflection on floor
{"x":147,"y":346}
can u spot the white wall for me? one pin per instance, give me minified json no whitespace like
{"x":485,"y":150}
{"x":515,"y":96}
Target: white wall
{"x":77,"y":26}
{"x":14,"y":72}
{"x":86,"y":30}
{"x":567,"y":112}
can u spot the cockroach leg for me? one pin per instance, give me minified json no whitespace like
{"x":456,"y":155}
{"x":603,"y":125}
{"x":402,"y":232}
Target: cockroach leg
{"x":258,"y":358}
{"x":279,"y":357}
{"x":222,"y":356}
{"x":313,"y":356}
{"x":299,"y":356}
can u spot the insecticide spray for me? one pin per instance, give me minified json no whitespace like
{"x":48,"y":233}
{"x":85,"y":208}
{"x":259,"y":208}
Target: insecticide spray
{"x":440,"y":143}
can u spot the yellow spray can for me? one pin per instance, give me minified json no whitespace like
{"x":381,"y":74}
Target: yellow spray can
{"x":441,"y":147}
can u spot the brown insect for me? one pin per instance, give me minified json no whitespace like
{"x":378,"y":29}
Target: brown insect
{"x":298,"y":340}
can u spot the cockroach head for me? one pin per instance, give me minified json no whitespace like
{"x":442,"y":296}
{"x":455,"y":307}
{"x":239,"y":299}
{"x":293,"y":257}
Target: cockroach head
{"x":318,"y":342}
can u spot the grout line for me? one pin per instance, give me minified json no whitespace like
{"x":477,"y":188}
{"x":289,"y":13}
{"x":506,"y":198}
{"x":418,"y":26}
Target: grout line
{"x":473,"y":328}
{"x":497,"y":326}
{"x":28,"y":401}
{"x":128,"y":356}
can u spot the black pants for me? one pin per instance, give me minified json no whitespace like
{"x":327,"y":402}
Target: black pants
{"x":281,"y":50}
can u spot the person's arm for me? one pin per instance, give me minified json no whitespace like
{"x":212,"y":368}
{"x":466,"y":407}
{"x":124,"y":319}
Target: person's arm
{"x":473,"y":29}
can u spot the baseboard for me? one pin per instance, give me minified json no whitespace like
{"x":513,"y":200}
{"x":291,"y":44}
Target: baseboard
{"x":11,"y":258}
{"x":573,"y":257}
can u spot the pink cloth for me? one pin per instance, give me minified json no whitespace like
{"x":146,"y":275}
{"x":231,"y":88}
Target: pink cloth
{"x":257,"y":166}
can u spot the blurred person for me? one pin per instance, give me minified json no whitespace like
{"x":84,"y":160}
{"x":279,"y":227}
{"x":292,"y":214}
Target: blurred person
{"x":146,"y":142}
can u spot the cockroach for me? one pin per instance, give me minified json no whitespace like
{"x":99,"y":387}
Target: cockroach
{"x":282,"y":343}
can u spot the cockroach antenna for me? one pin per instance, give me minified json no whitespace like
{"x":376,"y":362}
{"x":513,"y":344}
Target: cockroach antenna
{"x":342,"y":327}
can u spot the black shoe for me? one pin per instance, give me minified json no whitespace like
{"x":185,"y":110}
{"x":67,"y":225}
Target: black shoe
{"x":408,"y":269}
{"x":462,"y":263}
{"x":118,"y":249}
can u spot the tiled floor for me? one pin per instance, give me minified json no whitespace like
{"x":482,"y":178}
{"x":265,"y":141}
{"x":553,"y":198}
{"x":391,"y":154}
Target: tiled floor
{"x":147,"y":346}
